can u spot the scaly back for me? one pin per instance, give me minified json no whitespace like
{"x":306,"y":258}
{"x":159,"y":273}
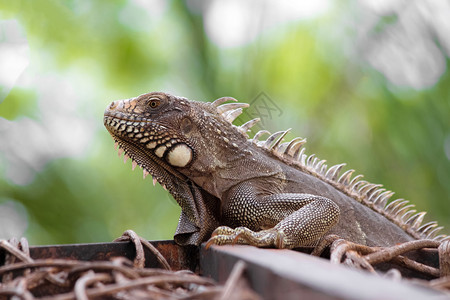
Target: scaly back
{"x":374,"y":196}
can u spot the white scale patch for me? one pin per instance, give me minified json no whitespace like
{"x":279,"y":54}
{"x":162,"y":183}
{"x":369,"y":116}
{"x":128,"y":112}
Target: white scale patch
{"x":160,"y":151}
{"x":151,"y":145}
{"x":179,"y":156}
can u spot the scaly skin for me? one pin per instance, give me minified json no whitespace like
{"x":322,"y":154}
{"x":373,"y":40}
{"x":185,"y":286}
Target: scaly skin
{"x":259,"y":193}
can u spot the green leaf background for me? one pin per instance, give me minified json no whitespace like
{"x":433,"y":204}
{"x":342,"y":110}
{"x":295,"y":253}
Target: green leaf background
{"x":85,"y":54}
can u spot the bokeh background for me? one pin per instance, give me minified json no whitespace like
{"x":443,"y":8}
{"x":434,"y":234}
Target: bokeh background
{"x":366,"y":82}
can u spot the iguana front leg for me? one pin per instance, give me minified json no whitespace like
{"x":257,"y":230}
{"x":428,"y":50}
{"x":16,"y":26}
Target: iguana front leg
{"x":284,"y":220}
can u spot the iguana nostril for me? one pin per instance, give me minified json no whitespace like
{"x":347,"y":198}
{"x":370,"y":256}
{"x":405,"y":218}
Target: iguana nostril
{"x":113,"y":105}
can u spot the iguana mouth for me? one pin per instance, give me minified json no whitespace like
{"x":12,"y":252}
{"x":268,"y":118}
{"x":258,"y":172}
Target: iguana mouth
{"x":135,"y":145}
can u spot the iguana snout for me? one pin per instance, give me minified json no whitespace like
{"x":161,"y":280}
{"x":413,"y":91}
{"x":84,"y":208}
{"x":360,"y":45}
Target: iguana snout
{"x":146,"y":122}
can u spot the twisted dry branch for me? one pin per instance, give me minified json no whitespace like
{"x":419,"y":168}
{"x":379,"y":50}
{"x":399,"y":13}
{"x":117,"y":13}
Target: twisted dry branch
{"x":118,"y":278}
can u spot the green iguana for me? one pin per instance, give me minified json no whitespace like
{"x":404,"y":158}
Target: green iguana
{"x":262,"y":193}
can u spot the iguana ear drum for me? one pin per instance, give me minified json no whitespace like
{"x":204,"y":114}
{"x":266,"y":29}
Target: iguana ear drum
{"x":180,"y":155}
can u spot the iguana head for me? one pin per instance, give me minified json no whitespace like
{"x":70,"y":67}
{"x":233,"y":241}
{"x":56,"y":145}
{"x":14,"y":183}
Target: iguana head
{"x":180,"y":143}
{"x":172,"y":136}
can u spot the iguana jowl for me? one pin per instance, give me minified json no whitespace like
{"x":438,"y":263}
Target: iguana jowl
{"x":263,"y":193}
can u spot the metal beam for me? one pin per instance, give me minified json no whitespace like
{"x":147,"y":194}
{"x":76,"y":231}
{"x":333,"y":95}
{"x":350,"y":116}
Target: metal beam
{"x":179,"y":258}
{"x":287,"y":274}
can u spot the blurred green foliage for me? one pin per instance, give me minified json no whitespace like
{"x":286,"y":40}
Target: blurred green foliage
{"x":109,"y":50}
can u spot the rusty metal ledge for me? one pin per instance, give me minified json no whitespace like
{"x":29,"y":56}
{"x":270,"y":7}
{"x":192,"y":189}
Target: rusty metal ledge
{"x":179,"y":258}
{"x":287,"y":274}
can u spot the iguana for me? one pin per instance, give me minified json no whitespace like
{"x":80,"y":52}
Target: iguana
{"x":264,"y":193}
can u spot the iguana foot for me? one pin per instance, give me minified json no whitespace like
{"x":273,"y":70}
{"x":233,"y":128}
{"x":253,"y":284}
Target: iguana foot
{"x":224,"y":235}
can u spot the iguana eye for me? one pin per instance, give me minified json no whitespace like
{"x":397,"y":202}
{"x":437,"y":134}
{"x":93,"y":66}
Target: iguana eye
{"x":154,"y":103}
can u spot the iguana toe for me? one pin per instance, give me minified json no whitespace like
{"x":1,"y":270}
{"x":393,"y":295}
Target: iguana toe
{"x":224,"y":235}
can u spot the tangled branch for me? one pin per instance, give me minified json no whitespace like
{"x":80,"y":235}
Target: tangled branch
{"x":60,"y":279}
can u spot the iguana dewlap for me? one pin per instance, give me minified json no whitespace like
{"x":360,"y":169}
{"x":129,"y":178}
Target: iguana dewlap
{"x":260,"y":192}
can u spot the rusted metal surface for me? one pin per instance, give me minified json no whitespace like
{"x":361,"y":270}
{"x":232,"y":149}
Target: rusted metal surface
{"x":179,"y":258}
{"x":273,"y":274}
{"x":285,"y":274}
{"x":23,"y":277}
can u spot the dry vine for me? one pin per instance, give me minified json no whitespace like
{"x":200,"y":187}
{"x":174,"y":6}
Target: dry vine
{"x":365,"y":257}
{"x":58,"y":279}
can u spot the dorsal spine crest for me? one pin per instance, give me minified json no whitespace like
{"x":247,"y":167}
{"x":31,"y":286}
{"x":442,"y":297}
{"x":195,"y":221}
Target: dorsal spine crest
{"x":371,"y":195}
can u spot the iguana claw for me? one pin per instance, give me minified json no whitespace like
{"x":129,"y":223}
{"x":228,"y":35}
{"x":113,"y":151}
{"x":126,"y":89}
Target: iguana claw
{"x":224,"y":235}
